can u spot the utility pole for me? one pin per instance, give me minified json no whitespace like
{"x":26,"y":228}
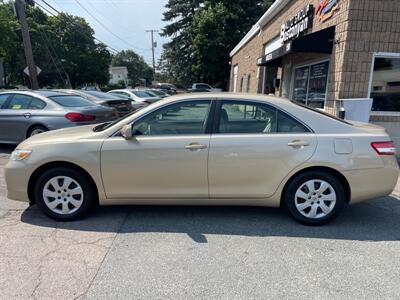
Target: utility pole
{"x":20,"y":9}
{"x":152,"y":47}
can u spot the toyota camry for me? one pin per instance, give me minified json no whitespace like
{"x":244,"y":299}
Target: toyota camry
{"x":208,"y":149}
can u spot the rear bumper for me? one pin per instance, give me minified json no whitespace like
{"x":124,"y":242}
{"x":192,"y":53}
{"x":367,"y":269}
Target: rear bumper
{"x":368,"y":184}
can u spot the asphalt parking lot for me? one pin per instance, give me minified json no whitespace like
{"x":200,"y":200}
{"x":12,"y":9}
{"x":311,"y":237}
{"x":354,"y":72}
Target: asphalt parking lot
{"x":198,"y":253}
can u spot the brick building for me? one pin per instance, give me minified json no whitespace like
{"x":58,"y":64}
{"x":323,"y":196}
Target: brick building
{"x":329,"y":54}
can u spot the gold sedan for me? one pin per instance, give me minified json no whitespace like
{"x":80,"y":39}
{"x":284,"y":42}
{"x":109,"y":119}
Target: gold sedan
{"x":208,"y":149}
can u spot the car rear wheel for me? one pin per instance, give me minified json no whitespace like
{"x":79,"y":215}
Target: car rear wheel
{"x":315,"y":198}
{"x":64,"y":194}
{"x":37,"y":130}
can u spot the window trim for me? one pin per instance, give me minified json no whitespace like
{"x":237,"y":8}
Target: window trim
{"x":209,"y":121}
{"x":371,"y":77}
{"x":36,"y":98}
{"x":3,"y":106}
{"x":309,"y":64}
{"x":217,"y":119}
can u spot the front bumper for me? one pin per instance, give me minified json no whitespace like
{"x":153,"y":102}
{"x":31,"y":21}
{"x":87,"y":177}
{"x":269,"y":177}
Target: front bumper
{"x":17,"y":176}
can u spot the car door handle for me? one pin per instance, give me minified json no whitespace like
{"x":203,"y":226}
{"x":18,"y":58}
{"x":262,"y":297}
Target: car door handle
{"x":195,"y":146}
{"x":298,"y":144}
{"x":27,"y":115}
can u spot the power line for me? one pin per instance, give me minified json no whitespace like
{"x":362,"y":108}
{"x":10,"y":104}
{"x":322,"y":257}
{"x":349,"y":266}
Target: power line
{"x":115,"y":9}
{"x":71,"y":21}
{"x":50,"y":49}
{"x":106,"y":28}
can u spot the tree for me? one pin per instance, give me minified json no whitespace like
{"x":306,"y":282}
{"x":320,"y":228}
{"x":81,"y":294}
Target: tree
{"x":177,"y":55}
{"x":63,"y":47}
{"x":84,"y":60}
{"x":202,"y":35}
{"x":10,"y":43}
{"x":138,"y":69}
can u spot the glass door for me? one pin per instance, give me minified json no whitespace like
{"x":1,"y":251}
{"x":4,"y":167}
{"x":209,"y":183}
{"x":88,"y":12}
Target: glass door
{"x":310,"y":84}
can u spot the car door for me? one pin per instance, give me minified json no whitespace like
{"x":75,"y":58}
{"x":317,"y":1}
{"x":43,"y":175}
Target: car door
{"x":253,"y":147}
{"x":166,"y":158}
{"x":15,"y":118}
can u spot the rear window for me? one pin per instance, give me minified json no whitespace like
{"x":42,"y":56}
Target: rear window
{"x":141,"y":94}
{"x":71,"y":101}
{"x":119,"y":95}
{"x":321,"y":112}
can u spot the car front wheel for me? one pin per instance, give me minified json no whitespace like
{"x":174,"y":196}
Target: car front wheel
{"x":315,"y":198}
{"x":64,"y":194}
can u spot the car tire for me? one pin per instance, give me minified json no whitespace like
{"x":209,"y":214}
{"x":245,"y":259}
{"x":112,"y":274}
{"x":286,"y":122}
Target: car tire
{"x":315,"y":198}
{"x":64,"y":194}
{"x":36,"y":130}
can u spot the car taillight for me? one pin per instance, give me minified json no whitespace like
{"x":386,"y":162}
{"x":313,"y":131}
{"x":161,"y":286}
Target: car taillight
{"x":384,"y":148}
{"x":77,"y":117}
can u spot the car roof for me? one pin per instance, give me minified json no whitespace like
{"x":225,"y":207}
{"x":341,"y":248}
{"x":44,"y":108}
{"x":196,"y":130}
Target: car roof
{"x":43,"y":93}
{"x":228,"y":95}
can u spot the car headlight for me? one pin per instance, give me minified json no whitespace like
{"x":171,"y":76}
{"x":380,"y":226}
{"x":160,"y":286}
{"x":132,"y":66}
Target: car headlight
{"x":20,"y":154}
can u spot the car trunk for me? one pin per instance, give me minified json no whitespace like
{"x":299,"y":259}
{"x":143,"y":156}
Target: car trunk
{"x":368,"y":127}
{"x":151,"y":99}
{"x":122,"y":106}
{"x":101,"y":114}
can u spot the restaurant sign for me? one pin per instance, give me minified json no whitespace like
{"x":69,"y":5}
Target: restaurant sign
{"x":294,"y":27}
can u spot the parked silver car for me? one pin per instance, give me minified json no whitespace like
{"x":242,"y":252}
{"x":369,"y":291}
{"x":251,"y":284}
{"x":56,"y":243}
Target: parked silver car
{"x":26,"y":113}
{"x":137,"y":95}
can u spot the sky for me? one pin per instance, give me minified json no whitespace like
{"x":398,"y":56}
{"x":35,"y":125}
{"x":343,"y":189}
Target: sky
{"x":121,"y":24}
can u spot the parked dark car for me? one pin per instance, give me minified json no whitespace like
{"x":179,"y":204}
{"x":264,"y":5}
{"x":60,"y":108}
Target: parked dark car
{"x":166,"y":87}
{"x":122,"y":105}
{"x":26,"y":113}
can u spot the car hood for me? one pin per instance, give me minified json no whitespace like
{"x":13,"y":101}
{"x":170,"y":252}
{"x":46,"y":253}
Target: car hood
{"x":62,"y":136}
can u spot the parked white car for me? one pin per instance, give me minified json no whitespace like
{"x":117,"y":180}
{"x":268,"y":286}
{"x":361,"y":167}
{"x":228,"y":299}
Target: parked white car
{"x":137,"y":96}
{"x":203,"y":87}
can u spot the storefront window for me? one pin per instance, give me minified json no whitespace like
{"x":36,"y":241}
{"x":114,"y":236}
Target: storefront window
{"x":310,"y":84}
{"x":385,"y":89}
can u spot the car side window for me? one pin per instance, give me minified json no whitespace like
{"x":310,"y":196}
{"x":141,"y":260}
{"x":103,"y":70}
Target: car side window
{"x":37,"y":104}
{"x":287,"y":124}
{"x":19,"y":101}
{"x":3,"y":99}
{"x":188,"y":117}
{"x":247,"y":117}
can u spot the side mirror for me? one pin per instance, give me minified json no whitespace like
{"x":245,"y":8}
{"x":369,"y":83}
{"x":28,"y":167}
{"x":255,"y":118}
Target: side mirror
{"x":126,"y":132}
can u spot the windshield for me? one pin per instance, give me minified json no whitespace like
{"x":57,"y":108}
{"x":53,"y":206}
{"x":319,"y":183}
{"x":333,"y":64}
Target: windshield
{"x":320,"y":112}
{"x":152,"y":93}
{"x":102,"y":95}
{"x":72,"y":101}
{"x":104,"y":126}
{"x":141,"y":94}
